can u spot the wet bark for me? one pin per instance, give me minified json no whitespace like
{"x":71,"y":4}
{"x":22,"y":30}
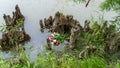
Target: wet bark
{"x":62,"y":24}
{"x":13,"y":36}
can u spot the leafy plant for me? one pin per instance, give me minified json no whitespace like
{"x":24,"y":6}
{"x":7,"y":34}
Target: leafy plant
{"x":60,"y":37}
{"x":116,"y":22}
{"x":3,"y":28}
{"x":111,"y":5}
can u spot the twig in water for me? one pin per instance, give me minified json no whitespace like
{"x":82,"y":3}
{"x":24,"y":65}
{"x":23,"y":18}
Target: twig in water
{"x":87,"y":3}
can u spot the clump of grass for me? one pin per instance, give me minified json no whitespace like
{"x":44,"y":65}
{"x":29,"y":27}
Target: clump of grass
{"x":3,"y":63}
{"x":21,"y":60}
{"x":51,"y":60}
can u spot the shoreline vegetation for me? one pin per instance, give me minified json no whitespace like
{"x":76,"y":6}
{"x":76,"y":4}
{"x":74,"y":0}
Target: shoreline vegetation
{"x":94,"y":45}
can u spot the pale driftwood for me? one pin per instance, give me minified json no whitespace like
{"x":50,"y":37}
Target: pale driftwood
{"x":87,"y":51}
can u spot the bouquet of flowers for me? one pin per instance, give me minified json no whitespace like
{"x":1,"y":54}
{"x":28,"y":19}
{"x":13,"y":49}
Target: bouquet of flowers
{"x":56,"y":38}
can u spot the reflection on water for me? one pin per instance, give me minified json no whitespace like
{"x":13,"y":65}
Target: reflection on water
{"x":34,"y":10}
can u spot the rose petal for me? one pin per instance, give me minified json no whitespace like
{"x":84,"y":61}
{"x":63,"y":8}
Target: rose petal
{"x":54,"y":41}
{"x":52,"y":35}
{"x":51,"y":40}
{"x":57,"y":43}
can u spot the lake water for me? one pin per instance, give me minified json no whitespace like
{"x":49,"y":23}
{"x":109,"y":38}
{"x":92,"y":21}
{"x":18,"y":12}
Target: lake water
{"x":34,"y":10}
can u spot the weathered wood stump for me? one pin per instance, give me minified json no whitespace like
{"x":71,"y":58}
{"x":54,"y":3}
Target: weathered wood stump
{"x":13,"y":38}
{"x":13,"y":22}
{"x":15,"y":32}
{"x":62,"y":24}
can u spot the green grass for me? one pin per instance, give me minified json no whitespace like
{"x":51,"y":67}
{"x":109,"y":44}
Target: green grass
{"x":51,"y":59}
{"x":68,"y":61}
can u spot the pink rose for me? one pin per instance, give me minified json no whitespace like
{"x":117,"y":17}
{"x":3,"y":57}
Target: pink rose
{"x":57,"y":43}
